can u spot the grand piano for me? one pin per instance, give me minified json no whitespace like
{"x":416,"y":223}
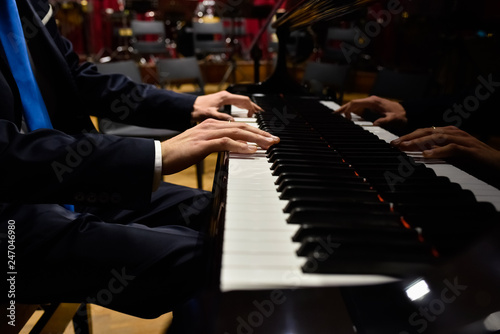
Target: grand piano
{"x":335,"y":231}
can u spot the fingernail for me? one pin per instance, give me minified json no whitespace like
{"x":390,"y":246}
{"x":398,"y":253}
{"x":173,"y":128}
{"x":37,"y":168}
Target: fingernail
{"x":252,"y":148}
{"x":396,"y":141}
{"x":273,"y":139}
{"x":428,"y":153}
{"x":406,"y":143}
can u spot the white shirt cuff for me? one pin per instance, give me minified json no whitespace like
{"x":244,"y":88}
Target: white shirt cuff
{"x":158,"y":165}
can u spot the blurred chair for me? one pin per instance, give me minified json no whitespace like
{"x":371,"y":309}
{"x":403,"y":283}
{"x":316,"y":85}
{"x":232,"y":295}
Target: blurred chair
{"x":399,"y":85}
{"x":142,"y":31}
{"x":209,"y":39}
{"x":107,"y":126}
{"x":126,"y":67}
{"x":326,"y":80}
{"x":173,"y":71}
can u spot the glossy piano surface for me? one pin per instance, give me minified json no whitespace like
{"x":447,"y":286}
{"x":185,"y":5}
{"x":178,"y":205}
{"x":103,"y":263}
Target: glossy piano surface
{"x":333,"y":231}
{"x":259,"y":263}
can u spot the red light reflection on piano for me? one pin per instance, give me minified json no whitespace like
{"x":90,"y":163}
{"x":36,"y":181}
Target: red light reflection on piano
{"x":405,"y":223}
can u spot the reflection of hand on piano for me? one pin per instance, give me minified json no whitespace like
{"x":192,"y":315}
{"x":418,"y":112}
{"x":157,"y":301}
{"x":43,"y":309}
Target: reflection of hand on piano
{"x":210,"y":136}
{"x":392,"y":114}
{"x":450,"y":142}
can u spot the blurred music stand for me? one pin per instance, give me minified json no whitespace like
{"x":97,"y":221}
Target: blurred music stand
{"x":255,"y":51}
{"x":233,"y":48}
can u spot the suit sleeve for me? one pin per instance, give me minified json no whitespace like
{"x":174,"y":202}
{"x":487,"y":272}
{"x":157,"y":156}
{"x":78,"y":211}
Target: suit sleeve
{"x":48,"y":166}
{"x":118,"y":98}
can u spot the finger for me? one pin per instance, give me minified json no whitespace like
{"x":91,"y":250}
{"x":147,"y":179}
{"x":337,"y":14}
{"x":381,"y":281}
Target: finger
{"x":228,"y":144}
{"x":239,"y":101}
{"x":342,"y":109}
{"x":414,"y":135}
{"x":246,"y":135}
{"x":381,"y":121}
{"x":358,"y":106}
{"x":434,"y":140}
{"x":215,"y":124}
{"x":255,"y":109}
{"x":447,"y":151}
{"x":215,"y":114}
{"x":452,"y":130}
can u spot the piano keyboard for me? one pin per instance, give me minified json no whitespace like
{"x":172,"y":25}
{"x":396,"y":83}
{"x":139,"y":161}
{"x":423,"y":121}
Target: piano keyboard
{"x":258,"y":251}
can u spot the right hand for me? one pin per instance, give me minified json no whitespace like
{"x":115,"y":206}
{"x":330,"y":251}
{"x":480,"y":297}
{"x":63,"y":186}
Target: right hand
{"x":392,"y":113}
{"x":210,"y":136}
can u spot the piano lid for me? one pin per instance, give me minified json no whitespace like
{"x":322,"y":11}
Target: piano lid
{"x":308,"y":12}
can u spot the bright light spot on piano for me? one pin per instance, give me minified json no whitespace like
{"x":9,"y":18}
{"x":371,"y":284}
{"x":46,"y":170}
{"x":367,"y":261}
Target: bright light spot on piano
{"x":417,"y":290}
{"x":492,"y":322}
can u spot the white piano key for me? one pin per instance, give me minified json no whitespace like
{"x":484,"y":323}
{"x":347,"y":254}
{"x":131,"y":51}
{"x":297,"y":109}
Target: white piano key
{"x":251,"y":234}
{"x":330,"y":104}
{"x":245,"y":120}
{"x":238,"y":112}
{"x":257,"y":248}
{"x":271,"y":260}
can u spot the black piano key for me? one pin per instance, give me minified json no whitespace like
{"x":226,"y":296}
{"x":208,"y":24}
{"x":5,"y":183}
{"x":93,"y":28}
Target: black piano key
{"x":356,"y":183}
{"x":308,"y":162}
{"x":343,"y":217}
{"x":435,"y":206}
{"x":312,"y":175}
{"x":311,"y":156}
{"x":301,"y":144}
{"x":429,"y":183}
{"x":294,"y":150}
{"x":328,"y":256}
{"x":423,"y":196}
{"x":406,"y":194}
{"x":380,"y":233}
{"x":350,"y":245}
{"x":406,"y":265}
{"x":366,"y":207}
{"x":295,"y":168}
{"x":334,"y":193}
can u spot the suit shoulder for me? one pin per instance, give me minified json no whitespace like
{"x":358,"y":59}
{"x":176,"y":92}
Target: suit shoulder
{"x":41,"y":7}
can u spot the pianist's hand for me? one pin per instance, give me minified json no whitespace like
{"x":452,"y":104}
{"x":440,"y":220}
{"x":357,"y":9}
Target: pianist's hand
{"x":207,"y":106}
{"x":392,"y":113}
{"x":450,"y":142}
{"x":210,"y":136}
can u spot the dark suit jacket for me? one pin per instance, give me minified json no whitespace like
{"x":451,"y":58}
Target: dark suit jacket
{"x":73,"y":164}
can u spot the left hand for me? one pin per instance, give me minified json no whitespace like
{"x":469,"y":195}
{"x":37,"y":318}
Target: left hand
{"x":207,"y":106}
{"x":450,"y":142}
